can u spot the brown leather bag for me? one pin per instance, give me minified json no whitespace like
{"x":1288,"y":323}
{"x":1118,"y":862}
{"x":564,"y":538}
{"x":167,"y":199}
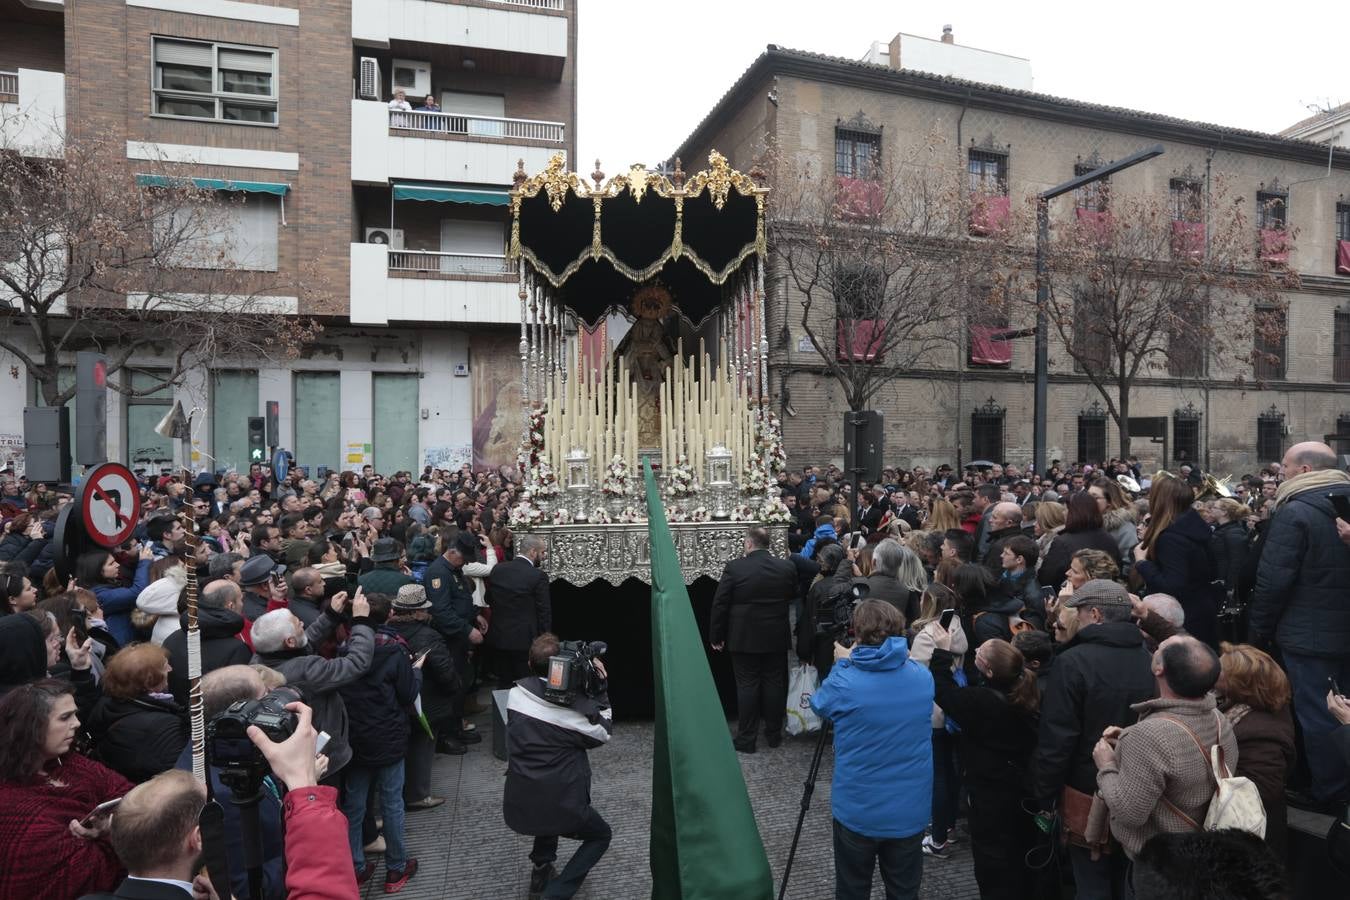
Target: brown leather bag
{"x":1079,"y":826}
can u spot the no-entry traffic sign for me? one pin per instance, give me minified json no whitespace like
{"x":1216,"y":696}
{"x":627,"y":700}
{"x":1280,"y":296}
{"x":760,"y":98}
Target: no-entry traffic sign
{"x":110,"y":504}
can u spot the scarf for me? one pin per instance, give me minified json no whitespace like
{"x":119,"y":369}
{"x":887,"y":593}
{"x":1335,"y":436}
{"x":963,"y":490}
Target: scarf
{"x":1310,"y":481}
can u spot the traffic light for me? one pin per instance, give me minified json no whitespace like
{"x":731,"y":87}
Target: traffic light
{"x":257,"y":440}
{"x":273,"y":423}
{"x":91,"y":408}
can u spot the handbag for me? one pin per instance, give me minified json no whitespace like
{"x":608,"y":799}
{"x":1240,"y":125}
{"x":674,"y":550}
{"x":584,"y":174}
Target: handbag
{"x":802,"y":685}
{"x":1236,"y":802}
{"x":1078,"y":824}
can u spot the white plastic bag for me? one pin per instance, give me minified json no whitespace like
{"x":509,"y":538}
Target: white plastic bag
{"x":802,"y":683}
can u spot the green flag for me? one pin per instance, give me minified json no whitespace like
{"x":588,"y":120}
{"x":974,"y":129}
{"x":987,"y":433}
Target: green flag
{"x":705,"y":844}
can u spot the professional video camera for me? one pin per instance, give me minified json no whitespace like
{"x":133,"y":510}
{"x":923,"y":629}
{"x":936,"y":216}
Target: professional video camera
{"x":572,"y":669}
{"x":242,"y":765}
{"x":835,"y":616}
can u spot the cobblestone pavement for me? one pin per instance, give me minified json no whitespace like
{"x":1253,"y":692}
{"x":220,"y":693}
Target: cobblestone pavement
{"x":467,"y":853}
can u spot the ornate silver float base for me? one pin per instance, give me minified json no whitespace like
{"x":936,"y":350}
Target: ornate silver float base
{"x":580,"y":554}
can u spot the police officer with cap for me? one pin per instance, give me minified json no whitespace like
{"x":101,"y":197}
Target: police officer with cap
{"x":263,"y":585}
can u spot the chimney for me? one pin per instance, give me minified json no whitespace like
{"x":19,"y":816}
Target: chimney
{"x":947,"y":35}
{"x":893,"y":54}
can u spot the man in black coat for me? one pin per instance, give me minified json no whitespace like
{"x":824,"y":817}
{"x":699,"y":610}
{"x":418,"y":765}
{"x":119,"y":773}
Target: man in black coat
{"x":1300,"y":603}
{"x":521,"y":610}
{"x":453,"y":615}
{"x":220,"y":619}
{"x":750,"y":617}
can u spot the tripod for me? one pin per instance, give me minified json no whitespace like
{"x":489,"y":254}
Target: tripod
{"x":812,"y":773}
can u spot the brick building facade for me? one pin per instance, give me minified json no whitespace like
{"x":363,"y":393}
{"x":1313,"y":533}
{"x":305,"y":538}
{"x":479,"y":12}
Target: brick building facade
{"x":400,"y":220}
{"x":798,"y":102}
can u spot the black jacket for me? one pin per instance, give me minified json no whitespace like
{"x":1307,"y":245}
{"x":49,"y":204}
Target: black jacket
{"x":997,"y":736}
{"x":451,"y":599}
{"x":140,"y":737}
{"x":1055,"y":566}
{"x":1097,"y":678}
{"x":379,"y":701}
{"x":1183,"y":567}
{"x":221,"y":647}
{"x":440,"y":681}
{"x":548,"y":775}
{"x":807,"y":570}
{"x":1228,"y":549}
{"x":750,"y":608}
{"x":992,"y":620}
{"x":141,"y":889}
{"x":813,"y":645}
{"x":886,"y":587}
{"x":518,"y":596}
{"x":1303,"y":578}
{"x":993,"y":556}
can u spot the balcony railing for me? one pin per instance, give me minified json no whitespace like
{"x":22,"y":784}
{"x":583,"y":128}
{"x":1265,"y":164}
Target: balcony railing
{"x":537,"y":4}
{"x":448,"y":263}
{"x":9,"y":83}
{"x":478,"y":126}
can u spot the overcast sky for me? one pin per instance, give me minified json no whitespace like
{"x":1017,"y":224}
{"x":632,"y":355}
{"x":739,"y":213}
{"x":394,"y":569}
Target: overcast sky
{"x":650,"y":72}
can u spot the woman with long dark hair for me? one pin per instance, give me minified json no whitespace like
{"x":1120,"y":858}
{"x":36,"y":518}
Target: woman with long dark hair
{"x":46,"y":791}
{"x":1174,"y":557}
{"x":99,"y":572}
{"x":1082,"y":531}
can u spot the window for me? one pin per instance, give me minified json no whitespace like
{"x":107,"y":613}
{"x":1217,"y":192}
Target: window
{"x":317,"y":416}
{"x":145,"y":446}
{"x":1343,"y":221}
{"x":986,"y":431}
{"x":221,"y":82}
{"x":1340,"y":441}
{"x":1270,"y":328}
{"x":988,"y":172}
{"x":1271,"y":208}
{"x":1340,"y":345}
{"x":238,"y":232}
{"x":1186,"y":347}
{"x":1186,"y":201}
{"x":1092,"y":434}
{"x":395,"y":397}
{"x":857,"y":154}
{"x":988,"y":320}
{"x":860,"y":321}
{"x":234,"y":398}
{"x":1092,"y":197}
{"x":1091,"y":334}
{"x":1186,"y":434}
{"x":1270,"y":435}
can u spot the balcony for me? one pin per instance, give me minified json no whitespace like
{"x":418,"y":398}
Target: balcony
{"x":422,"y":286}
{"x":33,"y":112}
{"x":383,"y":151}
{"x":523,"y":37}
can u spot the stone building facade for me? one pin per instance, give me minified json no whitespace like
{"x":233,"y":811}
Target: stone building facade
{"x":950,"y":409}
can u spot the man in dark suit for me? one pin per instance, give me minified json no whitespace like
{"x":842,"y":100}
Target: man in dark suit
{"x":155,"y":835}
{"x":454,"y":617}
{"x":750,"y":618}
{"x":521,"y":610}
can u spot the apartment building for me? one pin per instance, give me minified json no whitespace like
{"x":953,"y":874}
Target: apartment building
{"x":399,"y":217}
{"x":821,"y":110}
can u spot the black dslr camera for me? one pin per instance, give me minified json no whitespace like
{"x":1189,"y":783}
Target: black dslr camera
{"x":572,"y":670}
{"x":242,"y":765}
{"x":835,"y":616}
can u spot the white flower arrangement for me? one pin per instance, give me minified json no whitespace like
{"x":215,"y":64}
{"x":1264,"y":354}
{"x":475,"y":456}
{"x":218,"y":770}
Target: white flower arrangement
{"x":542,"y":480}
{"x":677,"y":514}
{"x":633,"y":514}
{"x":562,"y":516}
{"x":755,"y":481}
{"x":769,"y":436}
{"x":775,"y":512}
{"x":698,"y":514}
{"x":681,"y":481}
{"x":600,"y":516}
{"x":616,"y":481}
{"x":743,"y":513}
{"x":524,"y":514}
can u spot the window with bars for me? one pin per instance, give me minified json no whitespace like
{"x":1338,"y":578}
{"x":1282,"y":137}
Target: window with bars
{"x":987,"y":171}
{"x":1340,"y":345}
{"x":989,"y":320}
{"x":1092,"y":196}
{"x":1271,"y":209}
{"x":1270,"y":435}
{"x":1186,"y":435}
{"x":221,"y":82}
{"x":1091,"y":335}
{"x":1341,"y":442}
{"x":857,"y":154}
{"x":1186,"y":356}
{"x":1270,"y":338}
{"x":986,"y":431}
{"x":1092,"y":435}
{"x":1343,"y":221}
{"x":1186,"y":200}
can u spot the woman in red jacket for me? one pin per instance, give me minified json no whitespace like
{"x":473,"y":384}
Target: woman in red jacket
{"x":46,"y":790}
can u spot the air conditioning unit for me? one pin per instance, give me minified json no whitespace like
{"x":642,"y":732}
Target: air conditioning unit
{"x":369,"y":81}
{"x":413,"y":77}
{"x":390,"y":237}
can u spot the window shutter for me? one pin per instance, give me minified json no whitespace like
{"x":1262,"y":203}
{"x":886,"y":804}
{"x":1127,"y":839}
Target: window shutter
{"x":183,"y":53}
{"x":245,"y":61}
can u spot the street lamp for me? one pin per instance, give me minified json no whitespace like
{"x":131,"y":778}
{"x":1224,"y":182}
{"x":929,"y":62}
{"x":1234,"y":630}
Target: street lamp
{"x":1043,"y":286}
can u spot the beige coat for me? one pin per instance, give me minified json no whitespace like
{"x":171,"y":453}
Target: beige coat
{"x":921,"y":651}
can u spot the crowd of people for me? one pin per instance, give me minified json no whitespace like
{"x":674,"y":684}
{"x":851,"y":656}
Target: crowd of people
{"x":1051,"y":658}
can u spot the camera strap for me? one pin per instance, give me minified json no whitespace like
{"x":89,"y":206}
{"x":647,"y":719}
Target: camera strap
{"x":212,"y":823}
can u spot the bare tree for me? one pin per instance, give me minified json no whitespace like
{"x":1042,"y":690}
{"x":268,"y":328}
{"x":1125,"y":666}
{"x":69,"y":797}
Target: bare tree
{"x":877,"y":259}
{"x":91,"y":257}
{"x":1181,"y":284}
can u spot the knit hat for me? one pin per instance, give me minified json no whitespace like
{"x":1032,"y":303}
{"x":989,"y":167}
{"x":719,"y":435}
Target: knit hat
{"x":411,"y":596}
{"x":1099,"y":592}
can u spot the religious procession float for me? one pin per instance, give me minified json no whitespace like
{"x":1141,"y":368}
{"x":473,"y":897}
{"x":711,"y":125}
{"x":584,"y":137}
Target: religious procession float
{"x":675,"y":264}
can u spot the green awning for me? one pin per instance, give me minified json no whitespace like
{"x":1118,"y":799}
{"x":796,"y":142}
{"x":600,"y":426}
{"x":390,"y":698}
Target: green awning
{"x":441,"y":194}
{"x":215,"y":184}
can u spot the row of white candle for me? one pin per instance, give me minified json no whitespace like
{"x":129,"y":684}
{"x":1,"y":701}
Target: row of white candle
{"x":592,"y":410}
{"x":702,"y":407}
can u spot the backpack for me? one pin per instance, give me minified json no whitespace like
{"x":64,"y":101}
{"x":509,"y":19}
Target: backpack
{"x":1236,"y":802}
{"x":1013,"y":625}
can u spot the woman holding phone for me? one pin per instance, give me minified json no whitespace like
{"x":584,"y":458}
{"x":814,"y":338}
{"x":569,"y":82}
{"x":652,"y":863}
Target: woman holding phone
{"x":940,"y":614}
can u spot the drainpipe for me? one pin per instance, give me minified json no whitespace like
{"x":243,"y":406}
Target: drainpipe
{"x":963,"y":337}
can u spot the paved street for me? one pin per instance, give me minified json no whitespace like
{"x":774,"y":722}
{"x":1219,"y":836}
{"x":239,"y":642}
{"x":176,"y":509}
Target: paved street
{"x":467,"y":852}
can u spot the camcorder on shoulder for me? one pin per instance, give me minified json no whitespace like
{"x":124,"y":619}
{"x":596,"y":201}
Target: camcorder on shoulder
{"x":242,"y":765}
{"x":572,"y":670}
{"x":834,"y":617}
